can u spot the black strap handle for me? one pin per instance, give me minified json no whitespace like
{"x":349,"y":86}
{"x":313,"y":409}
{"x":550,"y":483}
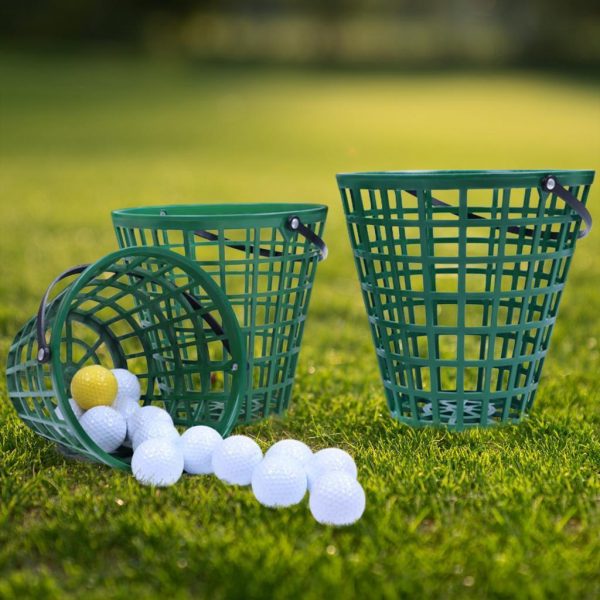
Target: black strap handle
{"x":549,"y":184}
{"x":44,"y":352}
{"x":293,"y":223}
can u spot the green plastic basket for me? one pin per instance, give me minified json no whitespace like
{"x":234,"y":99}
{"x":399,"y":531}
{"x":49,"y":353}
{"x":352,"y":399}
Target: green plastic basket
{"x":264,"y":258}
{"x":462,"y":274}
{"x":135,"y":309}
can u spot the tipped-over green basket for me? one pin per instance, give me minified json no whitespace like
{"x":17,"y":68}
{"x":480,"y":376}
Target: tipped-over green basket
{"x":264,"y":258}
{"x":462,"y":273}
{"x":136,"y":309}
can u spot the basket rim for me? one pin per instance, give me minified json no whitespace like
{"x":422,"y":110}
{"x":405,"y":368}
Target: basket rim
{"x":481,"y":178}
{"x":233,"y":214}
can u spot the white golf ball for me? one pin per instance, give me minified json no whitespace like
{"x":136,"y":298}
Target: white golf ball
{"x":279,"y":481}
{"x":329,"y":459}
{"x":336,"y":498}
{"x":198,"y":444}
{"x":126,"y":406}
{"x":157,"y":462}
{"x":147,"y":414}
{"x":155,"y":430}
{"x":105,"y":426}
{"x":234,"y":460}
{"x":293,"y":448}
{"x":74,"y":407}
{"x":128,"y":385}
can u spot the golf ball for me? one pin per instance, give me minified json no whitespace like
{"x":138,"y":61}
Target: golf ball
{"x":234,"y":460}
{"x":74,"y":407}
{"x":198,"y":444}
{"x":155,"y":430}
{"x":329,"y":459}
{"x":126,"y":407}
{"x":93,"y":386}
{"x":279,"y":481}
{"x":128,"y":385}
{"x":292,"y":448}
{"x":157,"y":462}
{"x":147,"y":414}
{"x":105,"y":426}
{"x":336,"y":498}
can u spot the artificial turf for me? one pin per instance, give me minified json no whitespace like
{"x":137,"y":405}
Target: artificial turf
{"x":511,"y":512}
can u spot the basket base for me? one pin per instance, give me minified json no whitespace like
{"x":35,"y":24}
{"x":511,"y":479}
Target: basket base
{"x":448,"y":417}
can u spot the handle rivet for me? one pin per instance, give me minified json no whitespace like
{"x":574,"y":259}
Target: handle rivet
{"x":42,"y":354}
{"x":550,"y":183}
{"x":294,"y":223}
{"x":234,"y":367}
{"x":163,"y":212}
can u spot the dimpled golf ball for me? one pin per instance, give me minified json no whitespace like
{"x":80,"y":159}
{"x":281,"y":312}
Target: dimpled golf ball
{"x":74,"y":407}
{"x":336,"y":498}
{"x":93,"y":386}
{"x":198,"y":444}
{"x":234,"y":460}
{"x":147,"y":414}
{"x":279,"y":481}
{"x":126,"y":406}
{"x":329,"y":459}
{"x":155,"y":430}
{"x":128,"y":385}
{"x":105,"y":426}
{"x":157,"y":462}
{"x":293,"y":448}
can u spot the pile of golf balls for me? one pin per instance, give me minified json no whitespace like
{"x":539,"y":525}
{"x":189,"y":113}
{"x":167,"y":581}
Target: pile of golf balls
{"x":103,"y":401}
{"x":107,"y":404}
{"x":289,"y":468}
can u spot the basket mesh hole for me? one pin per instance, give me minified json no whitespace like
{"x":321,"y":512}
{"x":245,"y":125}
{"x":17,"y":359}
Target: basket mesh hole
{"x":448,"y":379}
{"x":476,"y":282}
{"x":446,"y":347}
{"x":445,"y":278}
{"x":475,"y":347}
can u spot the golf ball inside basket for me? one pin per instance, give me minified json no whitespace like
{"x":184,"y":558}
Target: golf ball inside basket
{"x":279,"y":481}
{"x":94,"y":386}
{"x":155,"y":430}
{"x":105,"y":426}
{"x":126,"y":407}
{"x":292,"y":448}
{"x":234,"y":460}
{"x":157,"y":462}
{"x":336,"y":498}
{"x":74,"y":407}
{"x":329,"y":459}
{"x":128,"y":385}
{"x":147,"y":414}
{"x":198,"y":444}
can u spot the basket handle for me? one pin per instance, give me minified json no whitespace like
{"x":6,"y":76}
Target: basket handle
{"x":293,"y":223}
{"x":44,"y":352}
{"x":549,"y":184}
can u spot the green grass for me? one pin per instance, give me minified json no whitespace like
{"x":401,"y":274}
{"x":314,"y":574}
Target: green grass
{"x":504,"y":513}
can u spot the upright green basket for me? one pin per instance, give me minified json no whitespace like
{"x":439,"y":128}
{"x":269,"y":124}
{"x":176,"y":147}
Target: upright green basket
{"x":127,"y":311}
{"x":264,"y":258}
{"x":462,"y":274}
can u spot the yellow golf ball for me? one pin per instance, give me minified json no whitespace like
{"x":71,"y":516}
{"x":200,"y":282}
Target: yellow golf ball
{"x":94,"y":386}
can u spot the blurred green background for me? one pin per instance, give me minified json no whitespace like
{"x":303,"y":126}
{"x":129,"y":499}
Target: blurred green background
{"x":107,"y":104}
{"x":334,"y":32}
